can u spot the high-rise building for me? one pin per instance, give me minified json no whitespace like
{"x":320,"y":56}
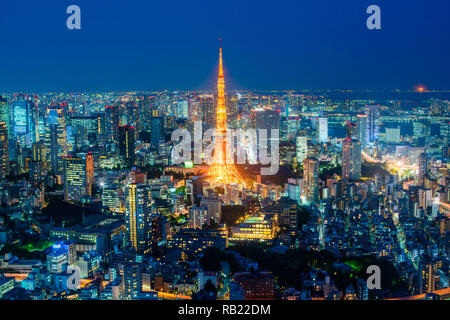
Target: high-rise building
{"x":38,"y":151}
{"x":362,"y":122}
{"x":208,"y":111}
{"x":351,"y":130}
{"x":214,"y":209}
{"x":198,"y":216}
{"x":266,"y":119}
{"x":429,"y":275}
{"x":351,"y":159}
{"x":423,"y":168}
{"x":56,"y":139}
{"x":392,"y":135}
{"x":112,"y":122}
{"x":132,"y":281}
{"x":288,"y":216}
{"x":138,"y":217}
{"x":4,"y":153}
{"x":322,"y":130}
{"x":78,"y":177}
{"x":4,"y":113}
{"x":157,"y":131}
{"x":127,"y":145}
{"x":24,"y":119}
{"x":301,"y":148}
{"x":373,"y":118}
{"x":311,"y":180}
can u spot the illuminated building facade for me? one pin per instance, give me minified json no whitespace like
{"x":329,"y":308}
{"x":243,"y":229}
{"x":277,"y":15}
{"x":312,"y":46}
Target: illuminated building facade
{"x":373,"y":118}
{"x":301,"y":148}
{"x":362,"y":123}
{"x":311,"y":180}
{"x":322,"y":130}
{"x":138,"y":217}
{"x":4,"y":154}
{"x":258,"y":285}
{"x":196,"y":240}
{"x":127,"y":145}
{"x":78,"y":177}
{"x":253,"y":229}
{"x":351,"y":159}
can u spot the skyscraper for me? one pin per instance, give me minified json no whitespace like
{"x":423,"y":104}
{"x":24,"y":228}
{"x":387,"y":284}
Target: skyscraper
{"x":373,"y":117}
{"x":127,"y":145}
{"x":392,"y":135}
{"x":311,"y":180}
{"x":266,"y":119}
{"x":78,"y":177}
{"x":23,"y":119}
{"x":351,"y":159}
{"x":362,"y":122}
{"x":56,"y":139}
{"x":322,"y":130}
{"x":138,"y":217}
{"x":301,"y":148}
{"x":4,"y":113}
{"x":423,"y":167}
{"x":112,"y":122}
{"x":4,"y":154}
{"x":157,"y":130}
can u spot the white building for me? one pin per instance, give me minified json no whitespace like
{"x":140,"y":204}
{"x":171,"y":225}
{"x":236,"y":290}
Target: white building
{"x":322,"y":130}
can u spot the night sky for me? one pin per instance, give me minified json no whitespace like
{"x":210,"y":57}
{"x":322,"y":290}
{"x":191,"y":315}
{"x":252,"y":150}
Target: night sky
{"x":152,"y":45}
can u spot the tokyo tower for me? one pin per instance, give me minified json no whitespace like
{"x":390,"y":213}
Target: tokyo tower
{"x":220,"y":171}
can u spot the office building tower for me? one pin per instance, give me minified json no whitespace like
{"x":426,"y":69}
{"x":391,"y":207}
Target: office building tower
{"x":351,"y":130}
{"x":373,"y":118}
{"x":37,"y":172}
{"x":157,"y":131}
{"x":311,"y":180}
{"x":266,"y":119}
{"x":112,"y":122}
{"x":288,"y":217}
{"x":214,"y":209}
{"x":301,"y":148}
{"x":127,"y":145}
{"x":4,"y":113}
{"x":38,"y":151}
{"x":351,"y":159}
{"x":322,"y":130}
{"x":423,"y":168}
{"x":182,"y":109}
{"x":392,"y":135}
{"x":78,"y":177}
{"x":138,"y":217}
{"x":23,"y":120}
{"x":208,"y":110}
{"x":56,"y":139}
{"x":198,"y":216}
{"x":4,"y":153}
{"x":362,"y":123}
{"x":232,"y":108}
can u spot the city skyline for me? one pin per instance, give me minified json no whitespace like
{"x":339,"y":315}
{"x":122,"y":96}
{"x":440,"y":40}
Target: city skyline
{"x":114,"y":188}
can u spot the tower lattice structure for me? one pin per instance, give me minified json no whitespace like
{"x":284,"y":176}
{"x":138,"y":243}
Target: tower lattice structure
{"x":220,"y":171}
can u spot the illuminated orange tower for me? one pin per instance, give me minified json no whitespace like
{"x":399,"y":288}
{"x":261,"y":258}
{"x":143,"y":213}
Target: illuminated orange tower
{"x":221,"y":171}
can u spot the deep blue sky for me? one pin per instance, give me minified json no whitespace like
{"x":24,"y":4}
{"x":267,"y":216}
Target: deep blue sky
{"x":153,"y":44}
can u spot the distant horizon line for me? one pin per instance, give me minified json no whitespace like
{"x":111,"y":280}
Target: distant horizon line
{"x":230,"y":90}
